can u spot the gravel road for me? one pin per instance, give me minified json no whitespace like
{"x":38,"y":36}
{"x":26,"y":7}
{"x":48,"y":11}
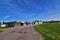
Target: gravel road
{"x":20,"y":33}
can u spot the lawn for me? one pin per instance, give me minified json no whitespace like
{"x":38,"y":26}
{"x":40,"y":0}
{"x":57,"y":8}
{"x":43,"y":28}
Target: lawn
{"x":4,"y":27}
{"x":1,"y":30}
{"x":50,"y":31}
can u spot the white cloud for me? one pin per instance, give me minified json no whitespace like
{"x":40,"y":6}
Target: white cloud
{"x":6,"y":17}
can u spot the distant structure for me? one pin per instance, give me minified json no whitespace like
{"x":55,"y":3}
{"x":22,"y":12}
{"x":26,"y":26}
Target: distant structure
{"x":2,"y":25}
{"x":36,"y":22}
{"x":27,"y":23}
{"x":52,"y":21}
{"x":13,"y":24}
{"x":19,"y":23}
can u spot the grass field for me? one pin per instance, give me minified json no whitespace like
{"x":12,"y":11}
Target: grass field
{"x":1,"y":30}
{"x":4,"y":27}
{"x":50,"y":31}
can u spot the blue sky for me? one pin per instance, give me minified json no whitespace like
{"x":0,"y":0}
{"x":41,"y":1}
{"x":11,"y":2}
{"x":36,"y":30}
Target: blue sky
{"x":29,"y":10}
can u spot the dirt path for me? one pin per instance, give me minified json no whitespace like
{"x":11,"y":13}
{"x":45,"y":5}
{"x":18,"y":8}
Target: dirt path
{"x":20,"y":33}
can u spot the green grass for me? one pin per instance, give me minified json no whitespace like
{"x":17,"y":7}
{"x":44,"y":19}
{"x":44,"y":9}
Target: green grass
{"x":4,"y":27}
{"x":50,"y":31}
{"x":1,"y":30}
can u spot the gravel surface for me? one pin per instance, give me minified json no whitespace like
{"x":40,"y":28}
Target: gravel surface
{"x":20,"y":33}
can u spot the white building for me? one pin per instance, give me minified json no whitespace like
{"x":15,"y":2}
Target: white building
{"x":3,"y":25}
